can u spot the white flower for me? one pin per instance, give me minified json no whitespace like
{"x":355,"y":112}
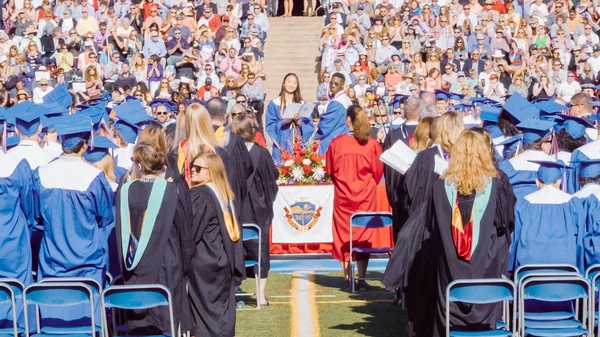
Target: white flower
{"x":306,"y":161}
{"x":318,"y":174}
{"x":323,"y":161}
{"x":288,"y":162}
{"x":281,"y":181}
{"x":298,"y":173}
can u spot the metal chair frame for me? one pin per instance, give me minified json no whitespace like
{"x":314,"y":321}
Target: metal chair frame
{"x":258,"y":264}
{"x":351,"y":262}
{"x":505,"y":307}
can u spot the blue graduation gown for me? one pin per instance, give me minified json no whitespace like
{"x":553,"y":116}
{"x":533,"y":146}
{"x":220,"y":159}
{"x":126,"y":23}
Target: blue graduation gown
{"x":333,"y":121}
{"x":587,"y":152}
{"x":283,"y":136}
{"x":522,"y":173}
{"x":548,"y":218}
{"x":590,"y":198}
{"x":16,"y":215}
{"x":75,"y":203}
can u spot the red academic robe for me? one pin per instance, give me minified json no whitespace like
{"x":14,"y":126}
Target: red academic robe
{"x":355,"y":171}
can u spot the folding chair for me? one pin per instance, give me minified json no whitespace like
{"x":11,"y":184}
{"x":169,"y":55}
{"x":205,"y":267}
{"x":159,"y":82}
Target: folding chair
{"x":59,"y":294}
{"x":555,"y":289}
{"x":370,"y":220}
{"x":551,"y":269}
{"x":139,"y":296}
{"x":592,"y":274}
{"x":96,"y":291}
{"x":252,"y":232}
{"x":482,"y":291}
{"x":9,"y":296}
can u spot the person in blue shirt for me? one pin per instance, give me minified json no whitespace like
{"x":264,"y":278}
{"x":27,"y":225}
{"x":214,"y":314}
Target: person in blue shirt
{"x":74,"y":202}
{"x":16,"y":215}
{"x":522,"y":169}
{"x":284,"y":132}
{"x":589,"y":194}
{"x":333,"y":121}
{"x":547,"y":218}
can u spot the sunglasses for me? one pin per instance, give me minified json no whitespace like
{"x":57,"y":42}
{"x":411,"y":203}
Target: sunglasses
{"x":197,"y":168}
{"x":161,"y":113}
{"x":380,"y":116}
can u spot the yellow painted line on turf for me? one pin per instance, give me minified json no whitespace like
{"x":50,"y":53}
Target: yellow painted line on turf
{"x":314,"y":312}
{"x":294,"y":308}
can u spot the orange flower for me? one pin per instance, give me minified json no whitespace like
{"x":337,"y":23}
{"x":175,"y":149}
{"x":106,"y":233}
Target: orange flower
{"x":285,"y":170}
{"x":298,"y":160}
{"x":315,"y":157}
{"x":285,"y":155}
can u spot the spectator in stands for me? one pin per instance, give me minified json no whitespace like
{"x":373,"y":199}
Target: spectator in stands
{"x":86,"y":23}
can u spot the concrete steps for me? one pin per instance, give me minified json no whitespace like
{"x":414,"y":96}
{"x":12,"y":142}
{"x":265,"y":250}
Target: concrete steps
{"x":292,"y":47}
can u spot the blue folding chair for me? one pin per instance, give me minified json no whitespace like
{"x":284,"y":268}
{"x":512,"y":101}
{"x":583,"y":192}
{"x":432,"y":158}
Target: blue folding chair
{"x":8,"y":295}
{"x":483,"y":291}
{"x":563,"y":288}
{"x":135,"y":297}
{"x":252,"y":232}
{"x":592,"y":274}
{"x":370,"y":220}
{"x":96,"y":291}
{"x":547,"y":268}
{"x":59,"y":294}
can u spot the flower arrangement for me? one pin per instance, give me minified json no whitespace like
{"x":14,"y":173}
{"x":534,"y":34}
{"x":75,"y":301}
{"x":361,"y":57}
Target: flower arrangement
{"x":304,"y":166}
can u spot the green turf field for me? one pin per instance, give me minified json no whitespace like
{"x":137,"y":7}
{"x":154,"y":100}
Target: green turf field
{"x":339,"y":313}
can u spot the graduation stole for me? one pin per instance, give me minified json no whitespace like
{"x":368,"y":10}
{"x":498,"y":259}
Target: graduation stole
{"x":466,"y":237}
{"x":132,"y":249}
{"x":231,"y":224}
{"x":183,"y":162}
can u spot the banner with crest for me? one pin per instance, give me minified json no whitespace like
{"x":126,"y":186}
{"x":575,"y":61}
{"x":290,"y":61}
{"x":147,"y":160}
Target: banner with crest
{"x":303,"y":214}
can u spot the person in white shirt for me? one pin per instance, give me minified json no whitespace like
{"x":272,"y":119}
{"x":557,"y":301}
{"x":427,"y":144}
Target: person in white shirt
{"x":594,"y":60}
{"x":588,"y":37}
{"x":567,"y":89}
{"x":41,"y":90}
{"x":466,"y":14}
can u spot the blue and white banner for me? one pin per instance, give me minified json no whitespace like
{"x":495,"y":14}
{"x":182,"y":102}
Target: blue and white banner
{"x":303,"y":214}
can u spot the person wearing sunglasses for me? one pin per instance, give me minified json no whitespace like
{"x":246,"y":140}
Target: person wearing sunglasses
{"x":162,"y":113}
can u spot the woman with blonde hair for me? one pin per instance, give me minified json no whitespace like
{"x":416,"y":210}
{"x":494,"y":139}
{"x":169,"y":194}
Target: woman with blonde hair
{"x":421,"y":138}
{"x":355,"y":171}
{"x":472,"y":216}
{"x":93,"y":83}
{"x":215,"y":231}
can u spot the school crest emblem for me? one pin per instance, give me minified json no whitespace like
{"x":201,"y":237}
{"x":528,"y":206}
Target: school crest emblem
{"x":302,"y":215}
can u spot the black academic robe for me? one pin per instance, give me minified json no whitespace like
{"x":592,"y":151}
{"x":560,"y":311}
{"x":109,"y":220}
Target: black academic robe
{"x":213,"y":267}
{"x":394,"y":180}
{"x":262,"y":191}
{"x":167,"y":265}
{"x":411,"y":268}
{"x":489,"y":259}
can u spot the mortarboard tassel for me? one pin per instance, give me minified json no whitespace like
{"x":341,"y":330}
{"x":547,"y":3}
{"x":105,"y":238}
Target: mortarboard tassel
{"x":554,"y":145}
{"x":92,"y":139}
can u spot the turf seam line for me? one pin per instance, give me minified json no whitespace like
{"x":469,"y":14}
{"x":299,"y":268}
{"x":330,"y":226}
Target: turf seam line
{"x":314,"y":312}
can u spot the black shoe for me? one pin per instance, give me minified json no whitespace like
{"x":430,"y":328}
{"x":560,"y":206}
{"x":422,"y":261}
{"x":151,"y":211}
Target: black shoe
{"x":238,"y":290}
{"x":362,"y":285}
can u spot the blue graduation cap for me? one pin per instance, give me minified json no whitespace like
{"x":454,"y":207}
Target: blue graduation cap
{"x":73,"y":129}
{"x":589,"y":168}
{"x":397,"y":100}
{"x":59,"y":95}
{"x":463,"y":107}
{"x":97,"y":113}
{"x":550,"y":171}
{"x":170,"y":105}
{"x":490,"y":114}
{"x":456,"y":97}
{"x":128,"y":132}
{"x":441,"y":94}
{"x":550,"y":107}
{"x":27,"y":117}
{"x":130,"y":108}
{"x":534,"y":129}
{"x":520,"y":109}
{"x":101,"y":147}
{"x":511,"y":145}
{"x":54,"y":109}
{"x":575,"y":126}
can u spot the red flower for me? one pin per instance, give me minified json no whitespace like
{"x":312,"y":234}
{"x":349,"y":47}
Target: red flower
{"x":315,"y":146}
{"x":285,"y":170}
{"x":315,"y":157}
{"x":302,"y":153}
{"x":307,"y":169}
{"x":298,"y":160}
{"x":285,"y":155}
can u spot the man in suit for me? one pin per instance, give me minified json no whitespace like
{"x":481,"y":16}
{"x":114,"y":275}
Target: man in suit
{"x":340,"y":16}
{"x":474,"y":62}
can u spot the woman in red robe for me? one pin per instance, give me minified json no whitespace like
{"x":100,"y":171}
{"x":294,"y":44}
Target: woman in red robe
{"x":355,"y":169}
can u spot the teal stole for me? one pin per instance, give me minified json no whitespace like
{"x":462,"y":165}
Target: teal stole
{"x":131,"y":248}
{"x":479,"y":206}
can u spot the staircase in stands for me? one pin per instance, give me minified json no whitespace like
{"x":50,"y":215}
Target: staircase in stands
{"x":292,"y":46}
